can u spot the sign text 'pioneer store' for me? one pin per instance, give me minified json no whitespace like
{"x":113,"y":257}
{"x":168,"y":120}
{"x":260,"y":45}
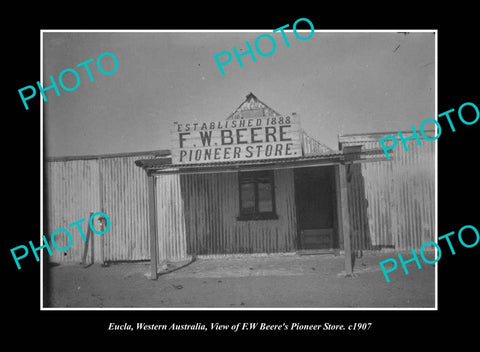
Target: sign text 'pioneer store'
{"x":273,"y":137}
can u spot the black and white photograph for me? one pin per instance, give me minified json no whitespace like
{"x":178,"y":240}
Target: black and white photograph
{"x":240,"y":169}
{"x":241,"y":173}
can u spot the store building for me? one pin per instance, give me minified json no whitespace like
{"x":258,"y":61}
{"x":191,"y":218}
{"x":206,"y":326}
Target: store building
{"x":253,"y":183}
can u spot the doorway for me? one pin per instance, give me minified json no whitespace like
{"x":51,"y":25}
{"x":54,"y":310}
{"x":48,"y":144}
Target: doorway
{"x":316,"y":208}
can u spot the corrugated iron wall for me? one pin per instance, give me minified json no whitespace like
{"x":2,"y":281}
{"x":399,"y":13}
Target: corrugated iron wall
{"x":391,"y":205}
{"x":125,"y":201}
{"x":171,"y":236}
{"x":74,"y":188}
{"x":311,"y":146}
{"x":413,"y":200}
{"x":72,"y":192}
{"x":197,"y":215}
{"x":392,"y":202}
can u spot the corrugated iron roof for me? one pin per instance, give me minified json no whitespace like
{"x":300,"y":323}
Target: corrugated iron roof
{"x":372,"y":136}
{"x":165,"y":164}
{"x":311,"y":146}
{"x":161,"y":162}
{"x":155,"y":153}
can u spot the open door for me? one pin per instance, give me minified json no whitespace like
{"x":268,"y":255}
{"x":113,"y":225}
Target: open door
{"x":315,"y":203}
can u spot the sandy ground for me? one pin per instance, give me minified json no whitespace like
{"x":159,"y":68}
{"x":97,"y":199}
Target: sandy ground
{"x":274,"y":281}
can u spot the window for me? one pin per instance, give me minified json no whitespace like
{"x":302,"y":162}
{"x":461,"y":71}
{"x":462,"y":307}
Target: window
{"x":257,"y":195}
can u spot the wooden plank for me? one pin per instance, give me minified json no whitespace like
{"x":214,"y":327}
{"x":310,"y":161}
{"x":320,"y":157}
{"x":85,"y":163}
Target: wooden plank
{"x":92,"y":248}
{"x":153,"y":227}
{"x":85,"y":249}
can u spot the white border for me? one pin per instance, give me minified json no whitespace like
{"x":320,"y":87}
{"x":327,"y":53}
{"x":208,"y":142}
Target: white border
{"x":42,"y":308}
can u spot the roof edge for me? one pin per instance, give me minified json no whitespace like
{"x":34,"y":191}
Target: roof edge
{"x":157,"y":153}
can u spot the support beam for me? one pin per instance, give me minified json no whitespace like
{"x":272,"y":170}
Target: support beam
{"x":102,"y":209}
{"x":343,"y":216}
{"x":85,"y":248}
{"x":152,"y":216}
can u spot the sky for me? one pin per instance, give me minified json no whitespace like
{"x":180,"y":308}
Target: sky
{"x":337,"y":83}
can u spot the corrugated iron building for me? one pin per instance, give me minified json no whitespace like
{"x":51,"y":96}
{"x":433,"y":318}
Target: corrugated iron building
{"x":174,"y":212}
{"x":76,"y":186}
{"x":392,"y":202}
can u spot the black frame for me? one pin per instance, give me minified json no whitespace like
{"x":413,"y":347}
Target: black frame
{"x":255,"y":177}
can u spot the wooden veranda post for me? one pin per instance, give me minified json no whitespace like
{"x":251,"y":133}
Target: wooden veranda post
{"x":343,"y":216}
{"x":152,"y":226}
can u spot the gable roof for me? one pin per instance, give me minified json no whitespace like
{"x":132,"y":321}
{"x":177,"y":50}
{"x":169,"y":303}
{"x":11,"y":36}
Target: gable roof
{"x":252,"y":107}
{"x":314,"y":153}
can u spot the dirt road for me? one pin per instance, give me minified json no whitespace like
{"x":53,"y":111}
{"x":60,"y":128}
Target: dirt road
{"x":275,"y":281}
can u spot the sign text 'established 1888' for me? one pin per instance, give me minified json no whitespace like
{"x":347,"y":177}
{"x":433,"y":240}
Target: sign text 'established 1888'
{"x":234,"y":140}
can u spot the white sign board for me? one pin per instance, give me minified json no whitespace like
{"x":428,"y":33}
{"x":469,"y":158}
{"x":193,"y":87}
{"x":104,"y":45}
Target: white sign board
{"x":236,"y":140}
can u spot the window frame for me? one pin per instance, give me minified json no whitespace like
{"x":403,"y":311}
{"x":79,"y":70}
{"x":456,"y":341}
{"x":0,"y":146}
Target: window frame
{"x":257,"y":177}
